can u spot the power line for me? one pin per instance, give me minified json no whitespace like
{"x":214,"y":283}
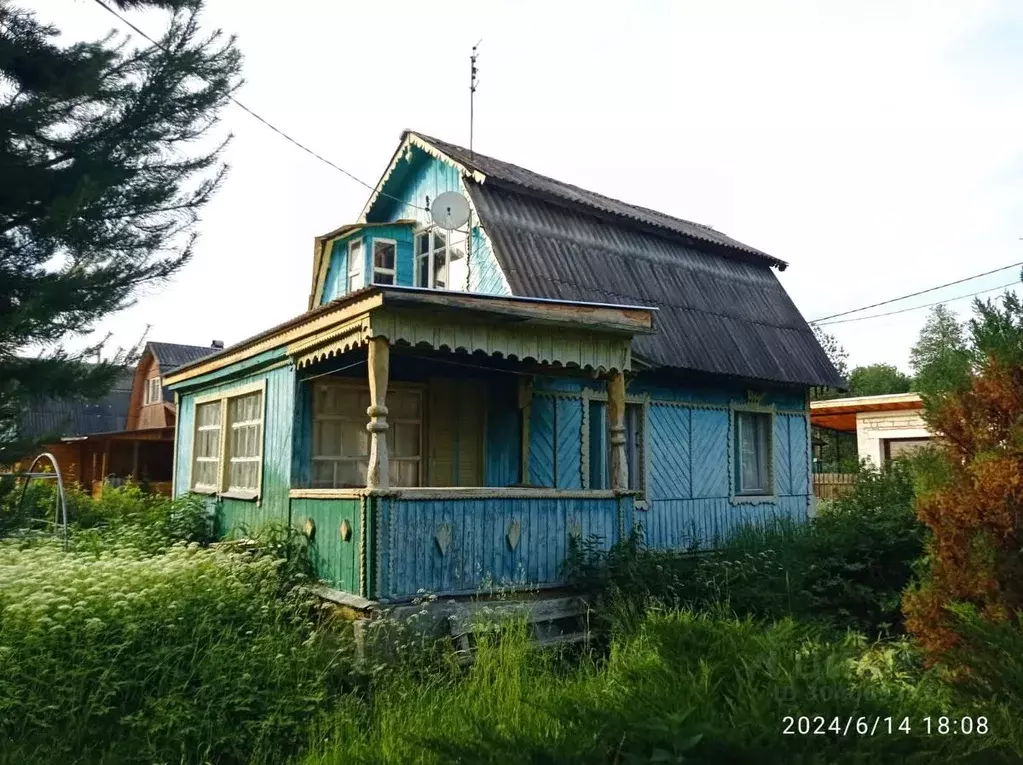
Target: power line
{"x":916,"y":307}
{"x":915,"y":294}
{"x":270,"y":125}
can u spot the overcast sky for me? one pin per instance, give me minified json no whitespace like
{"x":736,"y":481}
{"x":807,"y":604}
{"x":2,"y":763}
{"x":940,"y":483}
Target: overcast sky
{"x":875,"y":146}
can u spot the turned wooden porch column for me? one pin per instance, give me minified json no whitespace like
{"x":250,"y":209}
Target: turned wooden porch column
{"x":378,"y":474}
{"x":616,"y":429}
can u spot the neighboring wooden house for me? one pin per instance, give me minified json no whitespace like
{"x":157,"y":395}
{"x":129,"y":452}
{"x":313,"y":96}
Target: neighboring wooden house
{"x":130,"y":432}
{"x":65,"y":423}
{"x":455,"y":406}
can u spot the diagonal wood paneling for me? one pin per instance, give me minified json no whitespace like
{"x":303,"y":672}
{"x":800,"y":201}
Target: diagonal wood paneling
{"x":710,"y":453}
{"x":780,"y":438}
{"x":669,"y":452}
{"x":569,"y":437}
{"x":541,"y":441}
{"x":799,"y":454}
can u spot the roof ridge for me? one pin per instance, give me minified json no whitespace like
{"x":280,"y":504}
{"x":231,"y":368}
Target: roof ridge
{"x":566,"y":183}
{"x":593,"y":200}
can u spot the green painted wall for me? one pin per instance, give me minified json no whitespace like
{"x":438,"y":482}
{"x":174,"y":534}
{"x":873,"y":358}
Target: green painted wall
{"x":334,"y":559}
{"x":277,"y":432}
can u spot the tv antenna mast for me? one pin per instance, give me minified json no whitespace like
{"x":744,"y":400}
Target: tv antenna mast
{"x":473,"y":82}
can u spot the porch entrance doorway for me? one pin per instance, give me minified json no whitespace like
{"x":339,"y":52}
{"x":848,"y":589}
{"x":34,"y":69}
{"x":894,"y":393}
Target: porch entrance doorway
{"x":457,"y":416}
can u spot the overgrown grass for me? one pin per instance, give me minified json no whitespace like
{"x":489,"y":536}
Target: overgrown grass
{"x":693,"y":687}
{"x":145,"y":643}
{"x":189,"y":655}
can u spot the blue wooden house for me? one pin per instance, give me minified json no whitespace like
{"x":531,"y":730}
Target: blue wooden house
{"x":454,"y":406}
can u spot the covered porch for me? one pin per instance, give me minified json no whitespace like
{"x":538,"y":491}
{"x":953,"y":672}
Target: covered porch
{"x":418,"y":458}
{"x":414,"y":464}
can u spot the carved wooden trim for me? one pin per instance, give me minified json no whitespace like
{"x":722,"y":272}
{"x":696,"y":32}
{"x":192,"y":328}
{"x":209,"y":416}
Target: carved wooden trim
{"x":378,"y":472}
{"x":363,"y":531}
{"x":332,"y":343}
{"x":497,"y":492}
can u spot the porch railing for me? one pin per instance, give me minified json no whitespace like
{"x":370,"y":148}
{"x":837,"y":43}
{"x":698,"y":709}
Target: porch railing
{"x":484,"y":540}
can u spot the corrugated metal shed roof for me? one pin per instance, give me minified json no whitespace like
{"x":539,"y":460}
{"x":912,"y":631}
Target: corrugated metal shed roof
{"x":499,"y":173}
{"x":718,"y":314}
{"x":81,"y":418}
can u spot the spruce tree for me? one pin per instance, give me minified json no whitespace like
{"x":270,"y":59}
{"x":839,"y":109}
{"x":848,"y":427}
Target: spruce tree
{"x":107,"y":154}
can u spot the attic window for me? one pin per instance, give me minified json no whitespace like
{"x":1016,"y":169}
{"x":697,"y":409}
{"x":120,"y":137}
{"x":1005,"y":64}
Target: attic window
{"x":440,"y":259}
{"x":151,"y":395}
{"x":384,"y":261}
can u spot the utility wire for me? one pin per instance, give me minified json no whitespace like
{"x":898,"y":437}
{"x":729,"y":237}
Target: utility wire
{"x":916,"y":307}
{"x":270,"y":125}
{"x":914,"y":294}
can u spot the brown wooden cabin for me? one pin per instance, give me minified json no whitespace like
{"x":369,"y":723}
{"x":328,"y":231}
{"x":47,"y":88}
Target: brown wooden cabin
{"x":128,"y":433}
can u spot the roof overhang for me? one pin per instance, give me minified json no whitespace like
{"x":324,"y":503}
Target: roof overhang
{"x":840,"y":413}
{"x":141,"y":434}
{"x":596,"y":336}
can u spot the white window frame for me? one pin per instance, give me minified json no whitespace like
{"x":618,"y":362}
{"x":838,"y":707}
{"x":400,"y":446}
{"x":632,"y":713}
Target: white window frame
{"x":392,"y":272}
{"x":361,"y":387}
{"x":226,"y":428}
{"x":738,"y":494}
{"x":219,"y":427}
{"x":359,"y":272}
{"x":431,"y":254}
{"x":148,"y":396}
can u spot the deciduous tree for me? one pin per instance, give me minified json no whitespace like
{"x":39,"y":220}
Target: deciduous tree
{"x":878,"y":379}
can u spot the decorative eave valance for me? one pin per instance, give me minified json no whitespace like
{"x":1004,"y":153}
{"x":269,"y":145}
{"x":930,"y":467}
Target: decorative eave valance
{"x":585,"y":349}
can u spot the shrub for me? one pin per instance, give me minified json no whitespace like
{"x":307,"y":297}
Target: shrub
{"x":190,"y":655}
{"x":973,"y":509}
{"x":847,"y":567}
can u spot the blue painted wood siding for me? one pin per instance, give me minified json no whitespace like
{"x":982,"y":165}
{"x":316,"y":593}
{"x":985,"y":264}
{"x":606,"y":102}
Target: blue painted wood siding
{"x":278,"y":413}
{"x":424,"y":176}
{"x":689,"y":489}
{"x":478,"y":556}
{"x":335,"y":284}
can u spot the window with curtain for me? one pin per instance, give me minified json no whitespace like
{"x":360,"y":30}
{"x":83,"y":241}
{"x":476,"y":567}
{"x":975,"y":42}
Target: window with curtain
{"x":600,"y":446}
{"x":245,"y":416}
{"x":385,"y":253}
{"x":340,"y":448}
{"x":356,"y":279}
{"x":753,"y":453}
{"x":206,"y":447}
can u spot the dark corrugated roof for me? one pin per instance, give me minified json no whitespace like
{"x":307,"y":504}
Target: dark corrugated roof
{"x":60,"y":417}
{"x":171,"y":355}
{"x":717,"y":314}
{"x":499,"y":173}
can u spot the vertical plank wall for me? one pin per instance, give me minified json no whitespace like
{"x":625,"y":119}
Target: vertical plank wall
{"x":462,"y":545}
{"x":335,"y":284}
{"x":277,"y":430}
{"x":335,"y":559}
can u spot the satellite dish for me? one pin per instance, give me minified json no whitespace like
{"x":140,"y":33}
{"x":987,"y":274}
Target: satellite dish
{"x":450,"y":210}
